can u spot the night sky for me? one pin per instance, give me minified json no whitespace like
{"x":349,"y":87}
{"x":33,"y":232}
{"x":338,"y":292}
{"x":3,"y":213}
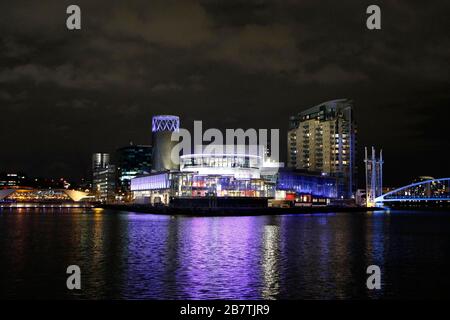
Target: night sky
{"x":251,"y":64}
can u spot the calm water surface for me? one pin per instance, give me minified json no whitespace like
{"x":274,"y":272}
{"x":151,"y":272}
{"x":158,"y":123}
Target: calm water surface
{"x":140,"y":256}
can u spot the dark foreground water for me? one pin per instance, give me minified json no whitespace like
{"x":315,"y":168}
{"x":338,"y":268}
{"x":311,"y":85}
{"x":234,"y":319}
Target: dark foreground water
{"x":139,"y":256}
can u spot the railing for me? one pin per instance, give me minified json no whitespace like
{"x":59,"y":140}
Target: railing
{"x":435,"y":190}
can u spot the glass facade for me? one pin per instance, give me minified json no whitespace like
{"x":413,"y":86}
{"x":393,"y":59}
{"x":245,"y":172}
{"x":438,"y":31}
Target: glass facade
{"x":151,"y":182}
{"x":305,"y":184}
{"x":193,"y":185}
{"x":239,"y":166}
{"x":132,"y":161}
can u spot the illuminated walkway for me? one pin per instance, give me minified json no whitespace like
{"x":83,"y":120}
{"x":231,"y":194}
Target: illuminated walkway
{"x":428,"y":190}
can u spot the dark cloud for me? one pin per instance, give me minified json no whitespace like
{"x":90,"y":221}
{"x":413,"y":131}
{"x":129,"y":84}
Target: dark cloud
{"x":232,"y":64}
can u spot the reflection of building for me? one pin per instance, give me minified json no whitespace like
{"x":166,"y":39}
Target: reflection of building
{"x":103,"y":177}
{"x":270,"y":261}
{"x":132,"y":161}
{"x":322,"y":139}
{"x":162,"y":128}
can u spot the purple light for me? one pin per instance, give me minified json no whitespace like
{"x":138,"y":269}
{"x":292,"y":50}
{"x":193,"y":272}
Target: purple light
{"x":151,"y":182}
{"x":165,"y":123}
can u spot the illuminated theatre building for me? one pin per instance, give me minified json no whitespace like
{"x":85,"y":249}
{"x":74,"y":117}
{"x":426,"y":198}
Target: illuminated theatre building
{"x":229,"y":176}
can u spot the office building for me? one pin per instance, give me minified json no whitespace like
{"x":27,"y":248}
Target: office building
{"x":323,"y":139}
{"x":103,"y":177}
{"x":132,"y":161}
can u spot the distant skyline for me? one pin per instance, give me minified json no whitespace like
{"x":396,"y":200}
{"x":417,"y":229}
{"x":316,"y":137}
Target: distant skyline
{"x":67,"y":94}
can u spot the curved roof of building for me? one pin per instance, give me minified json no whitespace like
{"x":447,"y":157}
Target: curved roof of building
{"x":6,"y":193}
{"x":74,"y":195}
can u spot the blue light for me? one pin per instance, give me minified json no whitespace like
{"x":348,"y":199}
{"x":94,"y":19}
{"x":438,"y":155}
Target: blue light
{"x":395,"y":195}
{"x":317,"y":186}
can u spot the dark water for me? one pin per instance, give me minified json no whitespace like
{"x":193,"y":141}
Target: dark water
{"x":126,"y":255}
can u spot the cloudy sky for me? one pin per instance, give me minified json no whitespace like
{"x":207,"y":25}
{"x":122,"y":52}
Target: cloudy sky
{"x":232,"y":64}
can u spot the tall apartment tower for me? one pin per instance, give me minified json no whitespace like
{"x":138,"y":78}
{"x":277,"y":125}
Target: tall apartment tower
{"x":323,"y":139}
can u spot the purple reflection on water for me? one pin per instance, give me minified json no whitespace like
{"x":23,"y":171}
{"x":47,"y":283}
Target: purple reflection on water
{"x":149,"y":257}
{"x":221,"y":257}
{"x":202,"y":258}
{"x":139,"y":256}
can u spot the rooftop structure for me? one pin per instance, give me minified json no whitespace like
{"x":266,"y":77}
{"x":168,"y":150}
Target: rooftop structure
{"x":162,"y":128}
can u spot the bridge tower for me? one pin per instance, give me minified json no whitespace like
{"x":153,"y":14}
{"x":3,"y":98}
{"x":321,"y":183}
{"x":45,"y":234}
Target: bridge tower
{"x":374,"y":177}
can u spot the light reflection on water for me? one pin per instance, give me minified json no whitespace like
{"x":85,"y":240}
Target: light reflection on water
{"x":270,"y":265}
{"x":139,"y":256}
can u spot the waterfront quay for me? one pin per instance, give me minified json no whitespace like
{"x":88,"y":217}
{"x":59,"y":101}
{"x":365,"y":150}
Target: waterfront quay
{"x":233,"y":211}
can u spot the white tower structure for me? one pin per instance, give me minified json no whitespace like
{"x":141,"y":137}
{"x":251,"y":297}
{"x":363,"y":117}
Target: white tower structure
{"x":374,"y":177}
{"x":162,"y":128}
